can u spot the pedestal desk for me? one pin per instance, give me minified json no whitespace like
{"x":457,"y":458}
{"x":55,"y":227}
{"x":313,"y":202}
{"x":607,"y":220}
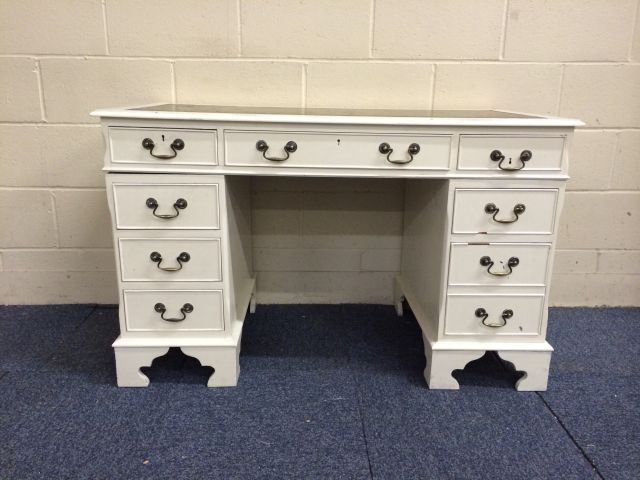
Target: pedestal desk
{"x":483,"y":193}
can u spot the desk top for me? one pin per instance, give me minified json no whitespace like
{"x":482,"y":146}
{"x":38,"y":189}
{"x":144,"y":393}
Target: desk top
{"x":336,"y":116}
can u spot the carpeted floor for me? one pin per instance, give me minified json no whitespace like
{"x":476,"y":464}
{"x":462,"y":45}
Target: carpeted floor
{"x":326,"y":392}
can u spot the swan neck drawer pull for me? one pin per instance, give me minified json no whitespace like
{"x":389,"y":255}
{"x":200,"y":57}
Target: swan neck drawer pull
{"x":511,"y":264}
{"x":177,"y":144}
{"x":184,"y":257}
{"x":497,"y":156}
{"x":161,"y":309}
{"x":180,"y":204}
{"x":518,"y":209}
{"x":484,"y":315}
{"x":386,"y":149}
{"x":289,"y":148}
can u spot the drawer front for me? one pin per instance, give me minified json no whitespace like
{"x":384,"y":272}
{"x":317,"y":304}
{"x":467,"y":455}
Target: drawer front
{"x":510,"y":315}
{"x":170,"y":260}
{"x":145,"y":309}
{"x":475,"y":153}
{"x":173,"y":146}
{"x":528,"y":211}
{"x":505,"y":264}
{"x":166,"y":206}
{"x":336,"y":150}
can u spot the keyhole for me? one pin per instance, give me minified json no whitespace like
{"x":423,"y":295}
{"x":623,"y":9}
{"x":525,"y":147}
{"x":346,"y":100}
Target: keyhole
{"x":509,"y":160}
{"x":338,"y":142}
{"x":163,"y":138}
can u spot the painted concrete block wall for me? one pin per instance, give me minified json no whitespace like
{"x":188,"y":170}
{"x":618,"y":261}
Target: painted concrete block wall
{"x":319,"y":239}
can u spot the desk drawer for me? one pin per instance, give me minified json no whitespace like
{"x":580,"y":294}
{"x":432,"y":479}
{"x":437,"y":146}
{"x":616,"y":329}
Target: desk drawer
{"x":507,"y":264}
{"x":510,"y":315}
{"x":505,"y":153}
{"x":162,"y":146}
{"x":166,"y":206}
{"x":527,"y":211}
{"x":173,"y":310}
{"x":336,"y":150}
{"x":170,"y":260}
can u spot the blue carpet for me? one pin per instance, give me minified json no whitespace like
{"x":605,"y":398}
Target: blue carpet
{"x":325,"y":392}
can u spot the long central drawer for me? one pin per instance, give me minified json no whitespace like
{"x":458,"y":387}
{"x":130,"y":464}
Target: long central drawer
{"x":337,"y":150}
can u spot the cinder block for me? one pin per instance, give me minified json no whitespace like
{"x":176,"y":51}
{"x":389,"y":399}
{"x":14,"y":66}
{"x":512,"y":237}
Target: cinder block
{"x":607,"y":220}
{"x":438,"y":29}
{"x":73,"y":87}
{"x":47,"y":155}
{"x":19,"y":91}
{"x":602,"y":95}
{"x":305,"y":29}
{"x":58,"y":287}
{"x":275,"y":219}
{"x":26,"y":219}
{"x":305,"y":260}
{"x":591,"y":160}
{"x":369,"y":85}
{"x":350,"y":220}
{"x":591,"y":290}
{"x":619,"y":261}
{"x":566,"y":30}
{"x":325,"y":287}
{"x":21,"y":162}
{"x":239,"y":83}
{"x":527,"y":88}
{"x":381,"y":260}
{"x":83,"y":218}
{"x":575,"y":261}
{"x":69,"y":27}
{"x":626,"y":168}
{"x":95,"y":260}
{"x":167,"y":28}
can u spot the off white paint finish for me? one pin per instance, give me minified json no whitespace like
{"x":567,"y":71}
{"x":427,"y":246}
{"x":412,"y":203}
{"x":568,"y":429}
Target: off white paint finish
{"x":465,"y":267}
{"x":205,"y":264}
{"x":131,"y":211}
{"x":337,"y":151}
{"x":445,"y":231}
{"x":199,"y":146}
{"x":207,"y":312}
{"x":474,"y":153}
{"x":526,"y":320}
{"x":538,"y":218}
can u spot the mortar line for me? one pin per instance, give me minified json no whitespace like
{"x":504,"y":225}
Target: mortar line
{"x":239,"y":25}
{"x":106,"y":28}
{"x":372,"y":26}
{"x":503,"y":33}
{"x":43,"y":110}
{"x":560,"y":88}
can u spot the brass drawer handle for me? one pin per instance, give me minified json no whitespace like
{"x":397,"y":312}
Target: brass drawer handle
{"x":176,"y":145}
{"x":511,"y":264}
{"x":386,"y":149}
{"x":161,"y":309}
{"x":497,"y":156}
{"x":289,"y":148}
{"x":518,"y":209}
{"x":482,"y":313}
{"x":184,"y":257}
{"x":180,"y":204}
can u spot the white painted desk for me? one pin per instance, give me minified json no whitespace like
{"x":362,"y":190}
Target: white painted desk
{"x":483,"y":194}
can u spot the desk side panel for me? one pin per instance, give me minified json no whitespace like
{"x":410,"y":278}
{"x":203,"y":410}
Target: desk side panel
{"x":238,"y":212}
{"x":424,"y":250}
